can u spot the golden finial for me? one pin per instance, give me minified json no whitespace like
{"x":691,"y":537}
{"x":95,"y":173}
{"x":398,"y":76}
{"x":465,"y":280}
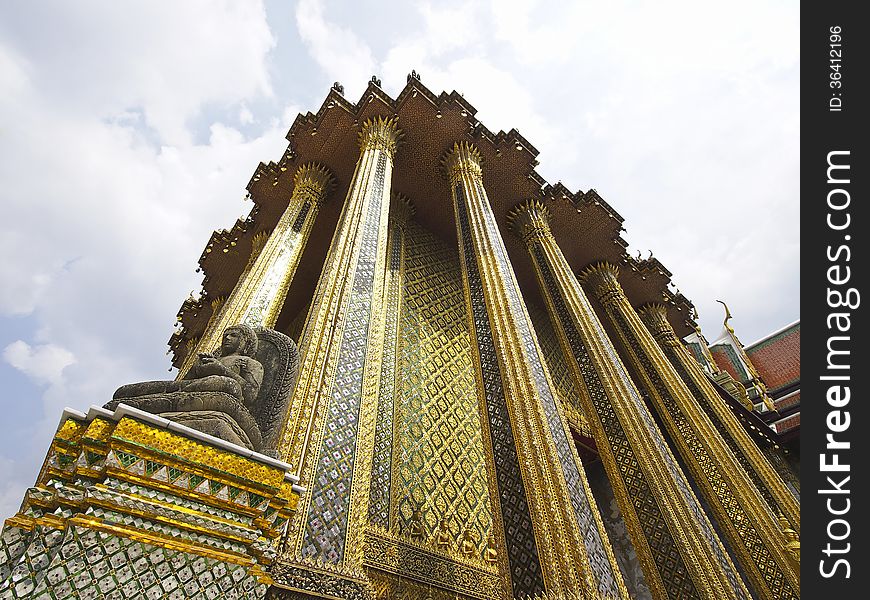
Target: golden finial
{"x":727,"y":316}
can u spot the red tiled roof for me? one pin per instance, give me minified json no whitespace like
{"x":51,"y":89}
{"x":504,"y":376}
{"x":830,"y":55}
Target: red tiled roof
{"x":722,"y":354}
{"x":778,"y":358}
{"x":788,"y":424}
{"x":789,"y":401}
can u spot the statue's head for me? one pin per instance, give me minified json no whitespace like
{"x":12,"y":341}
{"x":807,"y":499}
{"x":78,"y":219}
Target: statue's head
{"x":239,"y":339}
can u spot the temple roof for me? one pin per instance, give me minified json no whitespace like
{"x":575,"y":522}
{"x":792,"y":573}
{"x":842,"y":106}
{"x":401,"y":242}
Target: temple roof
{"x":586,"y":227}
{"x":777,"y":357}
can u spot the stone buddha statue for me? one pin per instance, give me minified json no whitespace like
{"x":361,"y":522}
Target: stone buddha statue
{"x":240,"y":393}
{"x":232,"y":371}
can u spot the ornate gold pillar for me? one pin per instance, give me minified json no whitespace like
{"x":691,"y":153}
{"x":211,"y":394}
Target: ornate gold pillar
{"x":380,"y":494}
{"x":679,"y":551}
{"x":743,"y":516}
{"x":330,"y":428}
{"x":259,"y":294}
{"x":763,"y":475}
{"x":554,"y":549}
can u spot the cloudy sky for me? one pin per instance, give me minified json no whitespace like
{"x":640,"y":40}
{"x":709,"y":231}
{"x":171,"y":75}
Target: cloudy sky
{"x":129,"y":130}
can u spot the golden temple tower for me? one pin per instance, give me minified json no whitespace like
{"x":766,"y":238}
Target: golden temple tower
{"x":491,"y":398}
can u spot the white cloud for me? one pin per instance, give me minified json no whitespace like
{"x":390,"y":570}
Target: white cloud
{"x":105,"y":188}
{"x":44,"y":363}
{"x":246,"y":117}
{"x":166,"y":59}
{"x":340,"y":53}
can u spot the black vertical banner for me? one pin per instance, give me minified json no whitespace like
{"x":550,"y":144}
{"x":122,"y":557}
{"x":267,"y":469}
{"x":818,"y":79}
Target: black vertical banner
{"x":834,"y":423}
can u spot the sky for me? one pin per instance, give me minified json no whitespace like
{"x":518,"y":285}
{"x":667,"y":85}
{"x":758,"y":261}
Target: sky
{"x":128,"y":132}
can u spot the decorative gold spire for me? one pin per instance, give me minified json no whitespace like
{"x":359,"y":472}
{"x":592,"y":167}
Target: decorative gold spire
{"x":727,"y":316}
{"x":754,"y":376}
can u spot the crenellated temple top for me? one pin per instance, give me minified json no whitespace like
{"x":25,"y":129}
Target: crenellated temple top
{"x":431,"y":126}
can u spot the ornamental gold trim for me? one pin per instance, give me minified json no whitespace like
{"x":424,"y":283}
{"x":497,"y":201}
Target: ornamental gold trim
{"x":738,"y":507}
{"x":380,"y":133}
{"x":463,"y":159}
{"x":655,"y":317}
{"x":415,"y":561}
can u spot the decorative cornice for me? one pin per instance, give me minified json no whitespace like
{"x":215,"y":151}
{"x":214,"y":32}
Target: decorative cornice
{"x":463,"y":158}
{"x":530,"y":220}
{"x":380,"y":133}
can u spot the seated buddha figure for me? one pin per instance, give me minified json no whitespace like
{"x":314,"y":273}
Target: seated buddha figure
{"x":232,"y":371}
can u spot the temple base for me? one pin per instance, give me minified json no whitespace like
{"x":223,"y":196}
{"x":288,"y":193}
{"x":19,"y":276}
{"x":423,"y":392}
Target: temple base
{"x":131,"y":505}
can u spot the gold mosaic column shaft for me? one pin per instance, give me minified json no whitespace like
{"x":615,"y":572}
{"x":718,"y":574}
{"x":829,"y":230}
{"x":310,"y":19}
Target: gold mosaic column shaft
{"x":381,"y":496}
{"x":763,"y":474}
{"x":677,"y":547}
{"x":330,"y":428}
{"x":743,"y":516}
{"x":572,"y":552}
{"x":260,"y":292}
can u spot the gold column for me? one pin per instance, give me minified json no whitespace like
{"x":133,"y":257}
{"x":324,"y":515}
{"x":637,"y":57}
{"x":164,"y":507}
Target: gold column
{"x":330,"y":428}
{"x":259,"y":294}
{"x":678,"y":549}
{"x":743,"y":516}
{"x":381,"y":506}
{"x":747,"y":452}
{"x":535,"y":463}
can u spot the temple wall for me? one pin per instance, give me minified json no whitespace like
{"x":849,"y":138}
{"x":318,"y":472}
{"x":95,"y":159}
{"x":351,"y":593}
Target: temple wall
{"x":439,"y":462}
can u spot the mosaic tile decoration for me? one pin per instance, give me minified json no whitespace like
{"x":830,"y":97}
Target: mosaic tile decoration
{"x":326,"y":527}
{"x":580,"y":500}
{"x":382,"y":460}
{"x":300,"y":218}
{"x":669,"y":563}
{"x":14,"y":541}
{"x":526,"y":576}
{"x":748,"y":533}
{"x":28,"y":570}
{"x":717,"y":423}
{"x":440,"y":464}
{"x":89,"y":564}
{"x":567,"y":390}
{"x":127,"y":508}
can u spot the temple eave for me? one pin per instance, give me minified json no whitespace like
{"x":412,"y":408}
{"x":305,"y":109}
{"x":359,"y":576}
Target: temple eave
{"x":328,"y":137}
